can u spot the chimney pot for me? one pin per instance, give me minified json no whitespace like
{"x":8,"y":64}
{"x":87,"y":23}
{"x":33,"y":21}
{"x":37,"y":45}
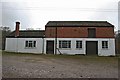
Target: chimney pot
{"x":17,"y":22}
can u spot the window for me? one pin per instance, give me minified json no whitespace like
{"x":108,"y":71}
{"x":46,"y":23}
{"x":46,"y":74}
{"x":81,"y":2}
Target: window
{"x":91,"y":32}
{"x":104,"y":44}
{"x":78,"y":44}
{"x":30,"y":44}
{"x":65,"y":44}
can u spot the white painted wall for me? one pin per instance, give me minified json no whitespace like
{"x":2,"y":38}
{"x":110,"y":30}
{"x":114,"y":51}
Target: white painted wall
{"x":101,"y":52}
{"x":73,"y":49}
{"x":106,"y":52}
{"x":11,"y":44}
{"x":18,"y":45}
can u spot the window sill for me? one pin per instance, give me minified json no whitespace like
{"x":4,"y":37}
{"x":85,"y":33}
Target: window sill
{"x":65,"y":48}
{"x":30,"y":47}
{"x":105,"y":49}
{"x":78,"y":48}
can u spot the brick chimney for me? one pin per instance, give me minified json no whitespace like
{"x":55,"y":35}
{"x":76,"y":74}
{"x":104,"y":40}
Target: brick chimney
{"x":17,"y":29}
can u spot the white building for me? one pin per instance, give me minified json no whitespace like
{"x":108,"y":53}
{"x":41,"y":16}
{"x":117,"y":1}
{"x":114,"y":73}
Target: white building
{"x":65,"y":37}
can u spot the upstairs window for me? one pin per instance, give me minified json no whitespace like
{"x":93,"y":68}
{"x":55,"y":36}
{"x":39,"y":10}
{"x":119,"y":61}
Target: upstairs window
{"x":30,"y":44}
{"x":104,"y":44}
{"x":65,"y":44}
{"x":78,"y":44}
{"x":91,"y":32}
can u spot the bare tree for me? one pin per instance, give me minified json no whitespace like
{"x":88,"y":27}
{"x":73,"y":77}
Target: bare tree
{"x":4,"y":31}
{"x":5,"y":28}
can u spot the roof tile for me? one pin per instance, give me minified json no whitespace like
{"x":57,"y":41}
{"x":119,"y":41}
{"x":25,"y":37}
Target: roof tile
{"x":78,"y":24}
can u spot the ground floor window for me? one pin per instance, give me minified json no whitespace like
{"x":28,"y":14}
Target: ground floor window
{"x":30,"y":44}
{"x":104,"y":44}
{"x":64,"y":44}
{"x":78,"y":44}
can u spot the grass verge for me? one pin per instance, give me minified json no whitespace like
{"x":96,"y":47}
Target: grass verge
{"x":80,"y":57}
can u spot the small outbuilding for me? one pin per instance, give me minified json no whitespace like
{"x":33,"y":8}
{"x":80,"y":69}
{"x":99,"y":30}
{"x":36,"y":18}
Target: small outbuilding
{"x":25,"y":41}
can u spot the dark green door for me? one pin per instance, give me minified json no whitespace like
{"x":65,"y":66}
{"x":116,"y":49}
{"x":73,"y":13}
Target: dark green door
{"x":91,"y":47}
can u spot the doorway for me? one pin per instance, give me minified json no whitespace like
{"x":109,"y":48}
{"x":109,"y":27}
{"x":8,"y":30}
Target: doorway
{"x":91,"y":47}
{"x":50,"y":47}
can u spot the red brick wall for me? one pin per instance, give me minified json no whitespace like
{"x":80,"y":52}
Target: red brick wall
{"x":105,"y":32}
{"x":78,"y":32}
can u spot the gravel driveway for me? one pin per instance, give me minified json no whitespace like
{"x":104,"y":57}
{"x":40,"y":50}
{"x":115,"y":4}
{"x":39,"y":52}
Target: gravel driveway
{"x":58,"y":66}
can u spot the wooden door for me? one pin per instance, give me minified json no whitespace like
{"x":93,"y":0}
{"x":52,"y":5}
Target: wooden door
{"x":50,"y":47}
{"x":92,"y":48}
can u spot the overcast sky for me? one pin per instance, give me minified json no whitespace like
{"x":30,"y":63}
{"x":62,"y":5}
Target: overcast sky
{"x":36,"y":13}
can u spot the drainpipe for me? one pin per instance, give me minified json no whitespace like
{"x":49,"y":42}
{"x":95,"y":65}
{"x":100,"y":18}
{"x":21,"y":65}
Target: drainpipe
{"x":17,"y":45}
{"x":56,"y":40}
{"x":43,"y":45}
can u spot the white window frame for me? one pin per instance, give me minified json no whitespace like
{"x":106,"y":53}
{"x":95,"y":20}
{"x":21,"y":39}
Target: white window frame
{"x":105,"y":44}
{"x":64,"y":44}
{"x":79,"y":44}
{"x":30,"y":44}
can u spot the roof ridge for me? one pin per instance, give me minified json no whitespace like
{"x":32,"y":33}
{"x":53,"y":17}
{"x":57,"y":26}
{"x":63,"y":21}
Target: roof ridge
{"x":79,"y":23}
{"x":31,"y":30}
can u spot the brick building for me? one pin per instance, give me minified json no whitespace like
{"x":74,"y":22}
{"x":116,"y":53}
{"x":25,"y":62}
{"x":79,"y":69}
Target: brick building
{"x":80,"y":37}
